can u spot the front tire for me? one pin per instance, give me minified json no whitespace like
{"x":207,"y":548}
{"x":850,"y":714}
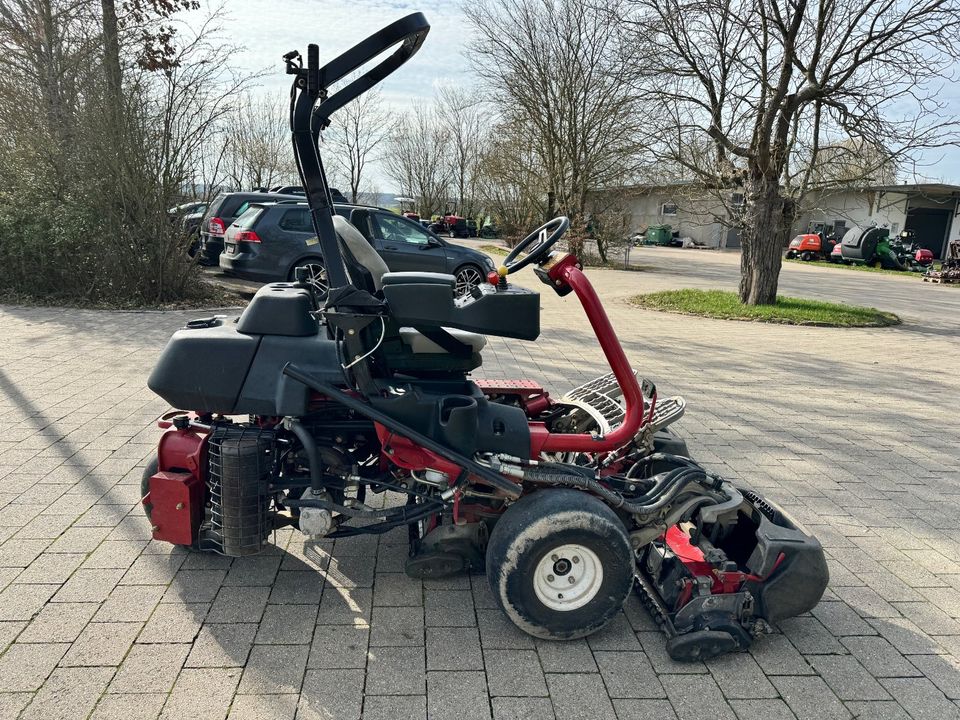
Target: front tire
{"x":559,"y":564}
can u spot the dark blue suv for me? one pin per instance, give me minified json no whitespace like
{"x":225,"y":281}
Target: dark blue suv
{"x":268,"y":241}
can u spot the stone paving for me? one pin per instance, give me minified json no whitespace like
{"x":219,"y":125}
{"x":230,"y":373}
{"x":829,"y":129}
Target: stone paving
{"x":854,"y":431}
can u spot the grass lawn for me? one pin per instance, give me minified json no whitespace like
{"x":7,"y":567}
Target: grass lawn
{"x":790,"y":311}
{"x":858,"y":268}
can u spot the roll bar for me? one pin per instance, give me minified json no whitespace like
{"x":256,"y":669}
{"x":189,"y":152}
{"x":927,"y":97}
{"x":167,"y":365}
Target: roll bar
{"x":308,"y":118}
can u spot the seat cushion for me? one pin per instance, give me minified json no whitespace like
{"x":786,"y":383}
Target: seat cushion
{"x":420,"y":344}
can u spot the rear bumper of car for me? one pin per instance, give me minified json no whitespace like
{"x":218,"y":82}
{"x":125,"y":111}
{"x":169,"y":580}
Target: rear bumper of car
{"x":244,"y":266}
{"x":211,"y":247}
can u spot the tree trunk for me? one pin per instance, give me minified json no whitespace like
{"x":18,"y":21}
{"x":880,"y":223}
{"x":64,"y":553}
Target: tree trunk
{"x":763,"y":241}
{"x":111,"y":53}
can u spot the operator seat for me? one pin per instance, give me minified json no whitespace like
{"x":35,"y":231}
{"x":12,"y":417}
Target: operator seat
{"x":357,"y":251}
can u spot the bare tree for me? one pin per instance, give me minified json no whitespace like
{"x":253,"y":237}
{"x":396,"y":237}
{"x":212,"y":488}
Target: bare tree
{"x":556,"y":70}
{"x":466,"y":121}
{"x":88,"y":220}
{"x":257,"y":142}
{"x":358,"y":131}
{"x":751,"y":94}
{"x":417,"y":158}
{"x":511,"y":181}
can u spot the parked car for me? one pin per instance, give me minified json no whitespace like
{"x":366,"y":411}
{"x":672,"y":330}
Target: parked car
{"x":221,"y":212}
{"x":188,"y":208}
{"x":270,"y":240}
{"x":187,"y":218}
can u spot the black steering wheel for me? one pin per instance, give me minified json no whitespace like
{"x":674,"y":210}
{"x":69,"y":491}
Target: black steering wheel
{"x":537,"y":245}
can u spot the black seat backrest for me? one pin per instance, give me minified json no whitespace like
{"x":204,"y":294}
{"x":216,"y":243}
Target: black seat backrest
{"x":364,"y":264}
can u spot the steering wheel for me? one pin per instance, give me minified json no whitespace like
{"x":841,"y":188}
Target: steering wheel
{"x":537,"y":245}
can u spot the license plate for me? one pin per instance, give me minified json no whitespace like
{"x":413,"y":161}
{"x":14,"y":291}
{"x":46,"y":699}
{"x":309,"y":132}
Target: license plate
{"x":231,"y":249}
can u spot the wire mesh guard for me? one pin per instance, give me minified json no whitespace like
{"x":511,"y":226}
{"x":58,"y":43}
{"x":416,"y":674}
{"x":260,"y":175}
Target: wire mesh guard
{"x":240,"y":460}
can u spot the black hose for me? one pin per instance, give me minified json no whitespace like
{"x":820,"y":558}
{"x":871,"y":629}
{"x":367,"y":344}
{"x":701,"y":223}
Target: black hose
{"x":313,"y":454}
{"x":670,"y":491}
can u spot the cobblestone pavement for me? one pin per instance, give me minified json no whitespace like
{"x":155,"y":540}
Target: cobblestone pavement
{"x":854,"y":431}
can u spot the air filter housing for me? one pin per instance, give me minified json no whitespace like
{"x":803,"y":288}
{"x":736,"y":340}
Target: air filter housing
{"x":240,"y":461}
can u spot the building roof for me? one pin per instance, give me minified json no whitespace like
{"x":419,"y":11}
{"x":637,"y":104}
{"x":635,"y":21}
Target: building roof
{"x":920,"y":188}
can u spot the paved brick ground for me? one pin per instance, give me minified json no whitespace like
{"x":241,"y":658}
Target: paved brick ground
{"x":854,"y":431}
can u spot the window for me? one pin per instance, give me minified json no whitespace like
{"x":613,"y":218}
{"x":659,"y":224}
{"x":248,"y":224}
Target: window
{"x":668,"y":209}
{"x":737,"y":200}
{"x":248,"y":217}
{"x":296,"y":220}
{"x":398,"y":229}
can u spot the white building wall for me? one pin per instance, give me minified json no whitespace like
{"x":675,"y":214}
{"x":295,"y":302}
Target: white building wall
{"x":855,"y":208}
{"x":695,"y":219}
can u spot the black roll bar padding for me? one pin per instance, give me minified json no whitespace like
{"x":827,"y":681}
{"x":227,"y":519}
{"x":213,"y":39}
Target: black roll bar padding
{"x":511,"y":489}
{"x":410,"y":31}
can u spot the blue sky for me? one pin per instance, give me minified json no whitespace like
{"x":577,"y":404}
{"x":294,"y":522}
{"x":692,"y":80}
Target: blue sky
{"x":262,"y":32}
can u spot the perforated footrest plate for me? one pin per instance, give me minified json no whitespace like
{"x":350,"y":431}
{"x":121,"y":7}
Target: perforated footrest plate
{"x":601,"y":398}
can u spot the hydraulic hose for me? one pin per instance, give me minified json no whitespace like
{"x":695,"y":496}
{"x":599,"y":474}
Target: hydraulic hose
{"x":668,"y":492}
{"x":313,"y":454}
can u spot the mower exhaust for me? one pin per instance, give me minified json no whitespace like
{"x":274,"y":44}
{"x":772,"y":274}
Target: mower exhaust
{"x":715,"y":587}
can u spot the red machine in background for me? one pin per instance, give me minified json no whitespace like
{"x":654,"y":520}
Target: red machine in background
{"x":811,"y":246}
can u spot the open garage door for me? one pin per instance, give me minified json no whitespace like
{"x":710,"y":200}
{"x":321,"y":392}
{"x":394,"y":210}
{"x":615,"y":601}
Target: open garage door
{"x":930,"y":225}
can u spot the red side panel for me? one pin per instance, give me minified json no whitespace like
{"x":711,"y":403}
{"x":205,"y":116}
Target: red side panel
{"x":177,"y":506}
{"x":177,"y":492}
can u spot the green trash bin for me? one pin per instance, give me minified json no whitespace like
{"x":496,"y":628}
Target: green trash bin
{"x":658,"y":235}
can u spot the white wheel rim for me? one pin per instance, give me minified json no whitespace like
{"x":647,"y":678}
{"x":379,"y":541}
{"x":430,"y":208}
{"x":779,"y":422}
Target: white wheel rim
{"x":467,"y":279}
{"x":568,"y":577}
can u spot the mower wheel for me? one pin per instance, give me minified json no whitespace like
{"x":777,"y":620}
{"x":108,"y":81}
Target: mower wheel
{"x":149,"y":471}
{"x":559,"y":564}
{"x":806,"y":256}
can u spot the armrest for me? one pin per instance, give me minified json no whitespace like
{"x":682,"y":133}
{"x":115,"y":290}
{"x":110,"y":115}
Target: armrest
{"x":418,"y":278}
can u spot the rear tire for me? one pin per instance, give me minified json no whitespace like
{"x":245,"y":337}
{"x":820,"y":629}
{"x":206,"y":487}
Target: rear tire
{"x":148,"y":472}
{"x":559,"y":564}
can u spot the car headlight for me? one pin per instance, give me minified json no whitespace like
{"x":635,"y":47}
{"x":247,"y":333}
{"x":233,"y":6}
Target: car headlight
{"x":488,"y":263}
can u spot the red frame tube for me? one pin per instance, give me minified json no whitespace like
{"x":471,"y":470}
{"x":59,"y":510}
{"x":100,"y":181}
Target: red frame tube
{"x":541,"y":440}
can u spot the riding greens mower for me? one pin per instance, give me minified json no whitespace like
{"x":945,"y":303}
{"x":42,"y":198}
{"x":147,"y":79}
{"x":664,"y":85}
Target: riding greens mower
{"x":352,"y":412}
